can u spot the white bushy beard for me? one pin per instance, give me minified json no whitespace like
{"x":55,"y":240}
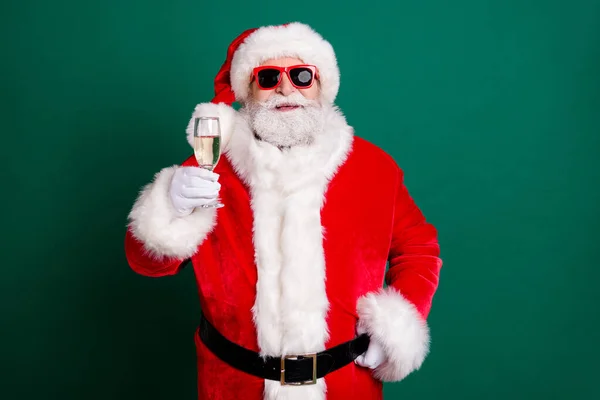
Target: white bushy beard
{"x":286,"y":128}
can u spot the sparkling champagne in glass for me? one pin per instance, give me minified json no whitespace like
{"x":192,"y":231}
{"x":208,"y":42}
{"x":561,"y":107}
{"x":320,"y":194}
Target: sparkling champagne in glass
{"x":207,"y":145}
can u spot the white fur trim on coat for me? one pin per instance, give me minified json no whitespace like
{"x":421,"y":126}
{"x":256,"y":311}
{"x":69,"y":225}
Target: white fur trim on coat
{"x":292,"y":40}
{"x":396,"y":324}
{"x":155,"y":223}
{"x":287,"y":193}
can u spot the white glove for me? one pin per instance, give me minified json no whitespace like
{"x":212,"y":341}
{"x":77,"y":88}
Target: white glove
{"x":193,"y":187}
{"x":373,"y":357}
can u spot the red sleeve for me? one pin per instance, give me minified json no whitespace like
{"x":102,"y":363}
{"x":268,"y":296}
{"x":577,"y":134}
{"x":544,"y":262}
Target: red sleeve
{"x":396,"y":316}
{"x":145,"y":264}
{"x":414,"y":263}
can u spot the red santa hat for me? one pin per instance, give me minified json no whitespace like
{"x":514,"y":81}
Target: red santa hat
{"x":256,"y":45}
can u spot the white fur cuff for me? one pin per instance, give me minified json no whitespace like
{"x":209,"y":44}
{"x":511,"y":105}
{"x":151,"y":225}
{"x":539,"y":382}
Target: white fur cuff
{"x":395,"y":323}
{"x":155,"y":223}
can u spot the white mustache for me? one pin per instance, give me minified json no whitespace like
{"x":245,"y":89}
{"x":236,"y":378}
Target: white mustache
{"x":294,"y":99}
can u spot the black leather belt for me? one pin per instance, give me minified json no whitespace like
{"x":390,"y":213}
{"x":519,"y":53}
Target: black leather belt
{"x":299,"y":369}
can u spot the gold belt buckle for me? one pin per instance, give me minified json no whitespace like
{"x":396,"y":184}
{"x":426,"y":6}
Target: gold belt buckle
{"x":295,"y":357}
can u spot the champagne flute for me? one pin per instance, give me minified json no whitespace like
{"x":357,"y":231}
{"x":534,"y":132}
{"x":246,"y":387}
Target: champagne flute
{"x":207,"y":146}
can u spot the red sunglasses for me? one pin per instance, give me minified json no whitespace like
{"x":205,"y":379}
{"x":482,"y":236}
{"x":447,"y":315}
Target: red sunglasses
{"x":268,"y":77}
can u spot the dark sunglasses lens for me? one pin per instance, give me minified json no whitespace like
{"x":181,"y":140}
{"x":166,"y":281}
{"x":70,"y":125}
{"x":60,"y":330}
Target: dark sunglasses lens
{"x":301,"y":76}
{"x":268,"y":78}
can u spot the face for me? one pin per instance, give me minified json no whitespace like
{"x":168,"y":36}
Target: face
{"x":285,"y":88}
{"x":285,"y":116}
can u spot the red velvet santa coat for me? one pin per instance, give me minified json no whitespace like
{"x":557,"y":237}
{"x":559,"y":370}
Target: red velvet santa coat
{"x":295,"y":261}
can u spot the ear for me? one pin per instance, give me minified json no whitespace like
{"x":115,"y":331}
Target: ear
{"x":224,"y":112}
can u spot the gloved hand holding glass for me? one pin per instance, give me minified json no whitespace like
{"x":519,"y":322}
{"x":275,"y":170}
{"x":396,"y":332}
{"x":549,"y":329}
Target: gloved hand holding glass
{"x":193,"y":187}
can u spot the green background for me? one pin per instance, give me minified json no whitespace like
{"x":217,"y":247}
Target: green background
{"x":492,"y":108}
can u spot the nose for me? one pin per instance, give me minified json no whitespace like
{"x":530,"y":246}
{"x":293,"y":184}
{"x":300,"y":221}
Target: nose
{"x":285,"y":88}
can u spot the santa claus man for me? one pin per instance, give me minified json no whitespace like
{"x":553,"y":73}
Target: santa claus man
{"x":291,"y":271}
